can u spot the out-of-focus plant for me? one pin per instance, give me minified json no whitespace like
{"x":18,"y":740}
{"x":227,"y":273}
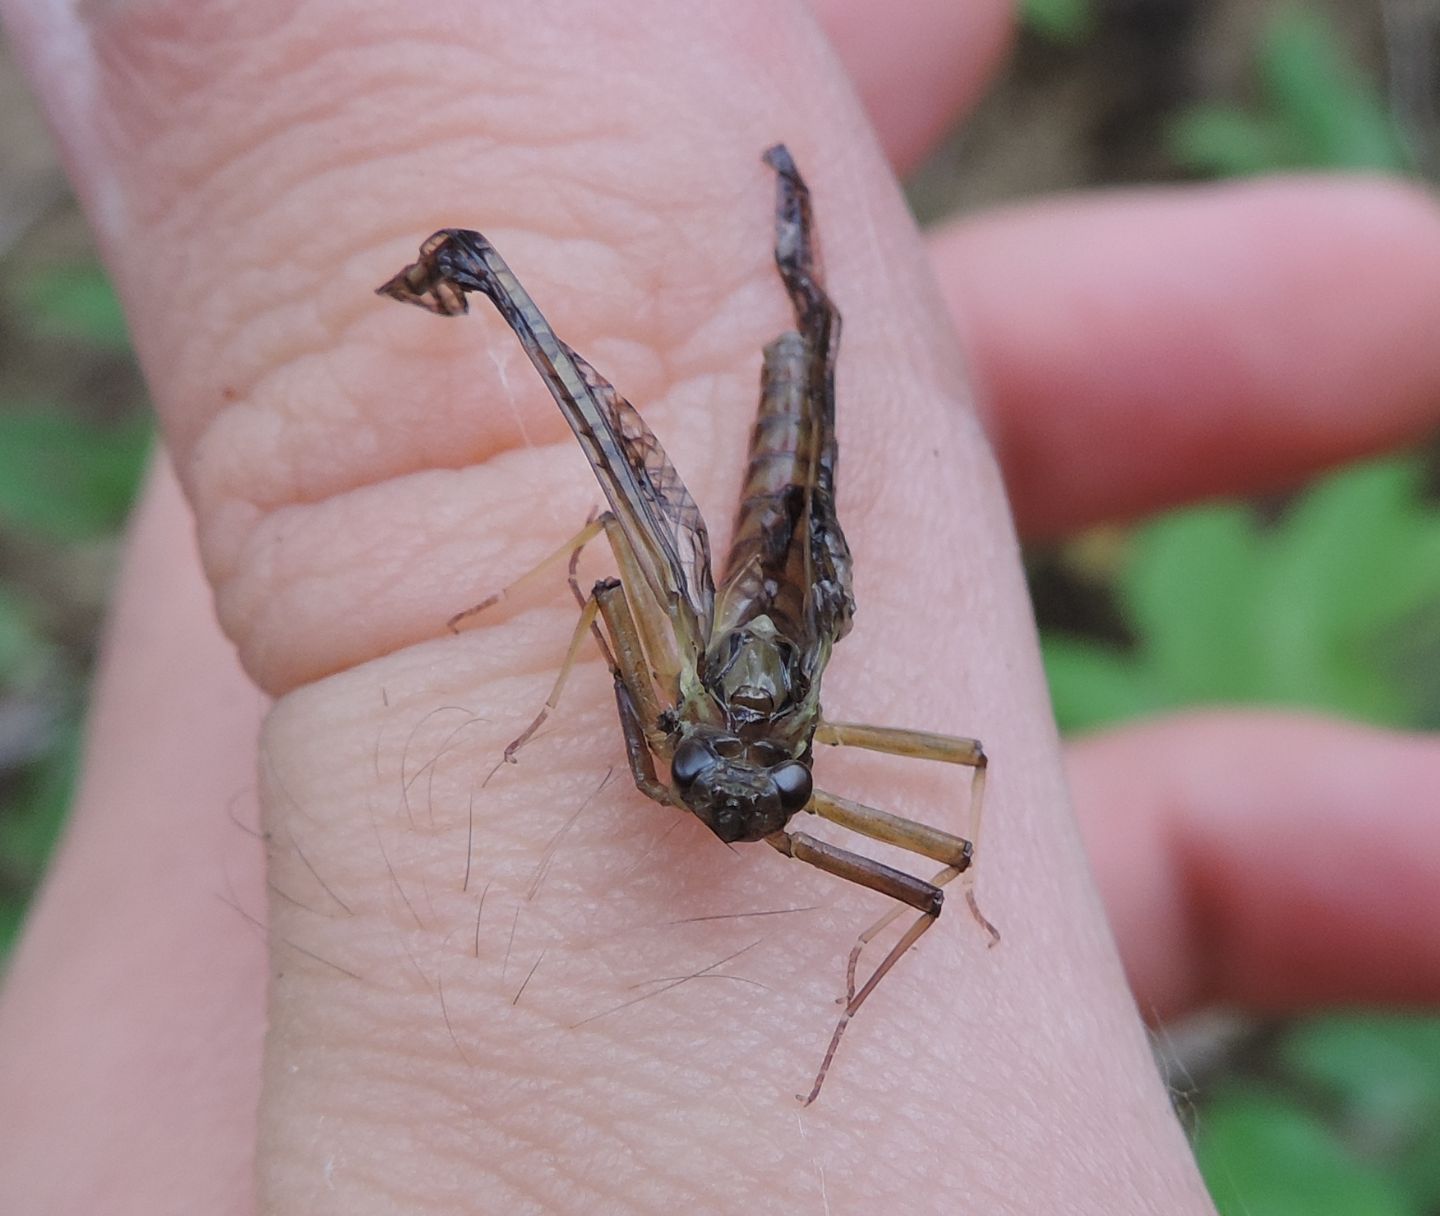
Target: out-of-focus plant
{"x":1063,"y":21}
{"x":1346,"y":1122}
{"x":73,"y":303}
{"x":32,"y":816}
{"x":67,"y":479}
{"x":63,"y":478}
{"x":1334,"y":606}
{"x":1315,"y":111}
{"x":1265,"y":1155}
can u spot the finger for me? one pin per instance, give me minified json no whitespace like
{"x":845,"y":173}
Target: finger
{"x":471,"y":978}
{"x":920,"y":67}
{"x":1145,"y":349}
{"x":1270,"y":861}
{"x":138,"y":987}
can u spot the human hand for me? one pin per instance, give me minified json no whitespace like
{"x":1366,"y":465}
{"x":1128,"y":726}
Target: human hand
{"x":1014,"y":1078}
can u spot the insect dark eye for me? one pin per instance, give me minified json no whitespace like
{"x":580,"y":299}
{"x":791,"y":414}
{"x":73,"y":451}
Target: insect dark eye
{"x":794,"y":784}
{"x":691,"y":759}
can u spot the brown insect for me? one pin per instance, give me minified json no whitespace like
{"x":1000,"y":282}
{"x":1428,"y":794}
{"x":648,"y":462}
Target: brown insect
{"x":723,"y":684}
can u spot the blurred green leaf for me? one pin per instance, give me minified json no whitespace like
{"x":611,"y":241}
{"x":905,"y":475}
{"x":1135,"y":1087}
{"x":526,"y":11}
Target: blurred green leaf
{"x":1362,"y":1055}
{"x":1226,"y":141}
{"x":74,"y":302}
{"x":1092,"y":684}
{"x":31,"y":819}
{"x":1384,"y":1071}
{"x":65,"y":479}
{"x":1353,"y":559}
{"x":1347,"y":547}
{"x":19,"y":643}
{"x":1187,"y":589}
{"x":1063,"y":21}
{"x":1316,"y":110}
{"x":1338,"y":118}
{"x":1315,"y":608}
{"x":1336,"y":606}
{"x":1264,"y":1156}
{"x":12,"y":914}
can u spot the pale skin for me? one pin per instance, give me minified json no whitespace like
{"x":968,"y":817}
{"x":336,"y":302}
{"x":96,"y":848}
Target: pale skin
{"x":250,"y":189}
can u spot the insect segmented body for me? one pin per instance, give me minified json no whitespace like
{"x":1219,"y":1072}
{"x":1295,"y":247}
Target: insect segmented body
{"x":722,"y":683}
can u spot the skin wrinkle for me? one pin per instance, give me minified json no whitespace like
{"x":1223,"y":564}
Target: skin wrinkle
{"x":516,"y":1137}
{"x":260,"y":142}
{"x":409,"y":541}
{"x":211,"y":185}
{"x":221,"y":562}
{"x":215,"y":203}
{"x":316,"y":479}
{"x":255,"y":592}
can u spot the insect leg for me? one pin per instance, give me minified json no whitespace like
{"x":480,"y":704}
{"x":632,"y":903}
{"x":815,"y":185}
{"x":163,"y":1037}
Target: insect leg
{"x":583,"y":626}
{"x":634,"y":695}
{"x":625,"y":650}
{"x":955,"y":852}
{"x":924,"y":745}
{"x":570,"y":549}
{"x":906,"y":889}
{"x":649,"y":627}
{"x":637,"y":747}
{"x":634,"y":685}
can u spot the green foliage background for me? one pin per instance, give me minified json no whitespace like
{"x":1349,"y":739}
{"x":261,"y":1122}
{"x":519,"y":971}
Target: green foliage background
{"x":67,"y":481}
{"x":1330,"y":602}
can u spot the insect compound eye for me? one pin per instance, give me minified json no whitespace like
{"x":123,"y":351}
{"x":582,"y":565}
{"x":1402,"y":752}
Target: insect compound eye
{"x":691,"y":759}
{"x":794,"y":783}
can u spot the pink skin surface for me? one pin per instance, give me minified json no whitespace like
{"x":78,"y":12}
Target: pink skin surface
{"x":359,"y":472}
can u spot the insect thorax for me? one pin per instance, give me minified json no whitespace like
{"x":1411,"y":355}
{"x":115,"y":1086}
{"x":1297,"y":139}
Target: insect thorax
{"x":753,"y":675}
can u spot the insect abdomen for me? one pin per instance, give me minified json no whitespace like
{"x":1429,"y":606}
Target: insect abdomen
{"x":767,"y":554}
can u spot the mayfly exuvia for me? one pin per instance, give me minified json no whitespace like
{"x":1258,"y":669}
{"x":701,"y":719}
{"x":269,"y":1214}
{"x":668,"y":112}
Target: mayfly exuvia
{"x":723,"y":683}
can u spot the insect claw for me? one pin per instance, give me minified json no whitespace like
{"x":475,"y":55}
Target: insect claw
{"x":982,"y":920}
